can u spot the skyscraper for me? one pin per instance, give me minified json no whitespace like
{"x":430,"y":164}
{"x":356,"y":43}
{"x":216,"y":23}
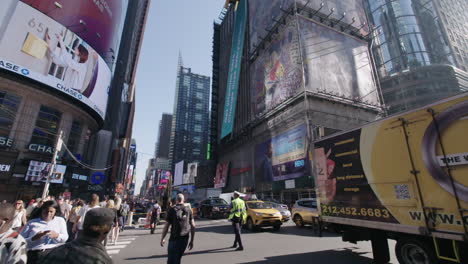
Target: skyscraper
{"x":164,"y":136}
{"x":190,"y":121}
{"x":420,"y":50}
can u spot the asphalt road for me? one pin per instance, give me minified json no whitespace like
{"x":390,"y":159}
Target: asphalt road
{"x":214,"y":238}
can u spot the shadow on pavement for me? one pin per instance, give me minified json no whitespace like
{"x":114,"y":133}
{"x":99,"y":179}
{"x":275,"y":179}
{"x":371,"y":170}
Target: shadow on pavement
{"x":304,"y":231}
{"x":345,"y":255}
{"x":187,"y":252}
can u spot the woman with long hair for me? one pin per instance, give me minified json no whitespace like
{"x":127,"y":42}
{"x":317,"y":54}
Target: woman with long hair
{"x":45,"y":232}
{"x":19,"y":219}
{"x":111,"y":205}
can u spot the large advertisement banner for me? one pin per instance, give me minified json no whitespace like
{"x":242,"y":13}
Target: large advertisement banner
{"x":179,"y":173}
{"x":38,"y":171}
{"x":337,"y":64}
{"x":367,"y":173}
{"x":95,"y":21}
{"x":283,"y":157}
{"x":354,"y":11}
{"x":276,"y":74}
{"x":221,"y":174}
{"x":262,"y":16}
{"x":234,"y":69}
{"x":35,"y":46}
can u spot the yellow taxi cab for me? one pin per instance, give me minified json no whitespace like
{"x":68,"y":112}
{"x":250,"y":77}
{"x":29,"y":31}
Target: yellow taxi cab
{"x":261,"y":214}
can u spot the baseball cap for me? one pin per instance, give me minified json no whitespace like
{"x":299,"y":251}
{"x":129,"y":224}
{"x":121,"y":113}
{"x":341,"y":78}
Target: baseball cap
{"x":99,"y":216}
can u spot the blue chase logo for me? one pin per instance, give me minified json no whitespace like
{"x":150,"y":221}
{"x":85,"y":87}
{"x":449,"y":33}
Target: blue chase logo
{"x":25,"y":71}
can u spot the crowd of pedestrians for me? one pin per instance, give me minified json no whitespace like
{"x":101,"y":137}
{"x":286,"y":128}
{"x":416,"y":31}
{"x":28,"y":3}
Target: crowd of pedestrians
{"x":57,"y":230}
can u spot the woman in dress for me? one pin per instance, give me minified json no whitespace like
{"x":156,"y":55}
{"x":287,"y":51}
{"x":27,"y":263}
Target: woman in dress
{"x":19,"y":219}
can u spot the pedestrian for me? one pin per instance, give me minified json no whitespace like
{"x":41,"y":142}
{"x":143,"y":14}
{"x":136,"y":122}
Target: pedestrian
{"x":73,"y":219}
{"x":32,"y":206}
{"x":180,"y":219}
{"x":19,"y":219}
{"x":64,"y":208}
{"x":124,"y":211}
{"x":45,"y":233}
{"x":238,"y":216}
{"x":155,"y":216}
{"x":15,"y":252}
{"x":111,"y":205}
{"x":94,"y":203}
{"x":88,"y":247}
{"x":120,"y":218}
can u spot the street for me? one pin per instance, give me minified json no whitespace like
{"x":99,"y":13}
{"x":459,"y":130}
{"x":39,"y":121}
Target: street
{"x":214,"y":238}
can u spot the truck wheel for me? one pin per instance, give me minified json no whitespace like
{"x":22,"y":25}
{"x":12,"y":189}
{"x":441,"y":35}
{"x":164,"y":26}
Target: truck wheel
{"x":412,"y":251}
{"x":298,"y":221}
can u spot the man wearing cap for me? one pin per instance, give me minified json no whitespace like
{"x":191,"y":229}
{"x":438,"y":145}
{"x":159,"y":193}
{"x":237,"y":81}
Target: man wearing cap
{"x":238,"y":216}
{"x":87,"y":248}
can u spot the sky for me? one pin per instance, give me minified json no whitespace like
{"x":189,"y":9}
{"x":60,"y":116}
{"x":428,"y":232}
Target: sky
{"x":172,"y":26}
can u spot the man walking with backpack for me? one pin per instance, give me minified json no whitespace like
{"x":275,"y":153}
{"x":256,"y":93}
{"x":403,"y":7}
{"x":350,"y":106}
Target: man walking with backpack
{"x":180,"y":219}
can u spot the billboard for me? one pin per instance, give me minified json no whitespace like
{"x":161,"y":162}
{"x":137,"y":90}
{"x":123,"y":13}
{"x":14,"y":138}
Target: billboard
{"x":354,"y":9}
{"x":179,"y":173}
{"x":366,"y":174}
{"x":276,"y":74}
{"x":337,"y":64}
{"x":97,"y":22}
{"x":192,"y":169}
{"x":38,"y":171}
{"x":221,"y":174}
{"x":35,"y":46}
{"x":234,"y":69}
{"x":261,"y":17}
{"x":282,"y":157}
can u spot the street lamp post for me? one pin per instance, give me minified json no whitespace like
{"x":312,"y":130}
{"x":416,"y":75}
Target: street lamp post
{"x":58,"y":147}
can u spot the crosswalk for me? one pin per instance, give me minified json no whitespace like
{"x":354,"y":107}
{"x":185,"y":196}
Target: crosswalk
{"x":123,"y":242}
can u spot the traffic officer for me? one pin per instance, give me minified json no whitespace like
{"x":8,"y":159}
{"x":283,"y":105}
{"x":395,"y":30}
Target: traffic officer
{"x":238,"y":216}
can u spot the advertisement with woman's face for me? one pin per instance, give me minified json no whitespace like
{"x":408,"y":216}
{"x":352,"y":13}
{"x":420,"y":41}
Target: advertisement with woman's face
{"x":37,"y":47}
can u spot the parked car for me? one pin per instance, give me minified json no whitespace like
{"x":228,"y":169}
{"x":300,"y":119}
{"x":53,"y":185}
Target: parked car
{"x":261,"y":214}
{"x":283,"y":209}
{"x":213,"y":208}
{"x":305,"y":212}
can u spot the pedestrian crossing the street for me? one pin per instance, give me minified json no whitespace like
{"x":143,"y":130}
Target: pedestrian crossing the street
{"x":122,"y":243}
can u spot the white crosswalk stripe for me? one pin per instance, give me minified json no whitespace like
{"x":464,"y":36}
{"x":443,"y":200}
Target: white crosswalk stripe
{"x":123,"y":242}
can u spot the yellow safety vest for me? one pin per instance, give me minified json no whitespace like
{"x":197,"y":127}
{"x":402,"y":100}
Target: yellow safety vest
{"x":238,"y":209}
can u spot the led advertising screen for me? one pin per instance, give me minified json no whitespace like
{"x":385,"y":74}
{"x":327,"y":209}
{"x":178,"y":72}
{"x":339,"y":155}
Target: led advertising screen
{"x":221,"y":174}
{"x":95,"y":21}
{"x":179,"y":173}
{"x":276,"y":74}
{"x":283,"y":157}
{"x":37,"y":47}
{"x":38,"y":171}
{"x":337,"y":64}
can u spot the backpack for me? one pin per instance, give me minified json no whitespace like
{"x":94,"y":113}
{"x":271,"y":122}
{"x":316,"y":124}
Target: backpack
{"x":123,"y":210}
{"x":182,"y":221}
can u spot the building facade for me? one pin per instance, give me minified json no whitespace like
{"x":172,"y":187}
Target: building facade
{"x":420,"y":49}
{"x":190,"y":120}
{"x":305,"y":72}
{"x":53,"y":84}
{"x":164,"y":136}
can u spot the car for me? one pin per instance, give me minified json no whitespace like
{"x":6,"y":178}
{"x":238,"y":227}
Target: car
{"x":283,"y":209}
{"x":214,"y":208}
{"x":305,"y":212}
{"x":261,"y":214}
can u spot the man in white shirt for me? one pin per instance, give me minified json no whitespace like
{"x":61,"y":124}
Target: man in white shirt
{"x":94,"y":203}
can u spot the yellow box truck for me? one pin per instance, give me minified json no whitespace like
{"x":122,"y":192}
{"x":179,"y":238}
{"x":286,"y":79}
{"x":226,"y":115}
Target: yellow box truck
{"x":405,"y":178}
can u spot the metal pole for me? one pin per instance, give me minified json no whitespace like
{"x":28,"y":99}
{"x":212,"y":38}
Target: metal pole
{"x":58,"y":146}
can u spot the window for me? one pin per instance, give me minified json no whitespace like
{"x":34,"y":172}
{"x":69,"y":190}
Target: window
{"x":198,"y":106}
{"x":199,"y":95}
{"x":196,"y":151}
{"x":74,"y":137}
{"x":198,"y":117}
{"x":9,"y":104}
{"x":47,"y":124}
{"x":197,"y":128}
{"x":197,"y":139}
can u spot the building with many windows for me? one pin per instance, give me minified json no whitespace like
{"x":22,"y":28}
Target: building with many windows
{"x":420,"y":50}
{"x":190,"y":120}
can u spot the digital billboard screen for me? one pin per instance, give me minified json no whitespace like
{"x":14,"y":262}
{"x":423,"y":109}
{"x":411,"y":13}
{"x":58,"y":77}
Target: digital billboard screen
{"x":276,"y":74}
{"x":282,"y":157}
{"x":95,"y":21}
{"x":38,"y":171}
{"x":337,"y":64}
{"x":37,"y":47}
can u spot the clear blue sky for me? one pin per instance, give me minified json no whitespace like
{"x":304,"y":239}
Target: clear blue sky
{"x":172,"y":26}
